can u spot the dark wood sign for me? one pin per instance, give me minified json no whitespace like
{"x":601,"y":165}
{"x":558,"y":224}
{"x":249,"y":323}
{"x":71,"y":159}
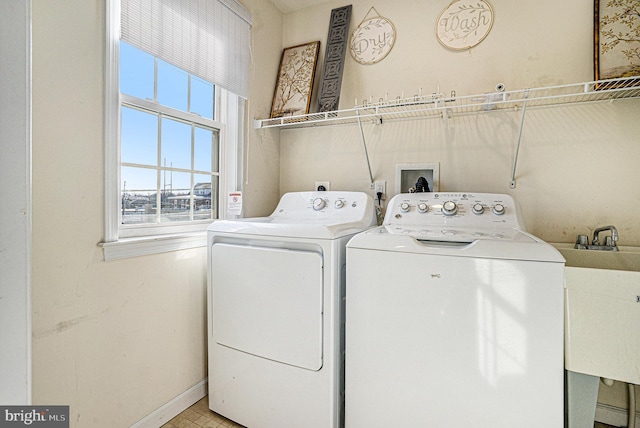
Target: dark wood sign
{"x":334,"y":59}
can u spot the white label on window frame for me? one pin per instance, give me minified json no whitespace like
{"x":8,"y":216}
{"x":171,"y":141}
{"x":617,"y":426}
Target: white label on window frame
{"x":234,"y":203}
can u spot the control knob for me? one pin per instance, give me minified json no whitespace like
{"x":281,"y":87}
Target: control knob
{"x":422,"y":207}
{"x":498,"y":209}
{"x":477,"y":209}
{"x":318,"y":204}
{"x":449,"y":208}
{"x":404,"y":207}
{"x":339,"y":203}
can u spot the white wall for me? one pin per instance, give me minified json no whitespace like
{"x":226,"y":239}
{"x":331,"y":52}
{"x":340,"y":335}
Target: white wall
{"x":115,"y":340}
{"x":578,"y":165}
{"x":15,"y":211}
{"x":262,"y":151}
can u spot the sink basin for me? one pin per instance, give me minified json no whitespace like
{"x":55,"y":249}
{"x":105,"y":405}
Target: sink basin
{"x":628,"y":258}
{"x":602,"y":312}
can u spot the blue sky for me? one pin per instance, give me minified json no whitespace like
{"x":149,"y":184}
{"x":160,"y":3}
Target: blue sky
{"x":139,"y":132}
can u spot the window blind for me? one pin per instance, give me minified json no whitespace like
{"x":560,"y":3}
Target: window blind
{"x":207,"y":38}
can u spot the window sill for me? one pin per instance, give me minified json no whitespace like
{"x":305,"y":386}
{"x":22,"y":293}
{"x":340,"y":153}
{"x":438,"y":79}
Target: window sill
{"x":143,"y":246}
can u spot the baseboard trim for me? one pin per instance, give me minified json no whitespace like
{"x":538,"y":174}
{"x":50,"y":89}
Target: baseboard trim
{"x":606,"y":414}
{"x":164,"y":414}
{"x":612,"y":415}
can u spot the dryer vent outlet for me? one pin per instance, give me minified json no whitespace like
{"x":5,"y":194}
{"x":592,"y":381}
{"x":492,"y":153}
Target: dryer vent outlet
{"x":322,"y":186}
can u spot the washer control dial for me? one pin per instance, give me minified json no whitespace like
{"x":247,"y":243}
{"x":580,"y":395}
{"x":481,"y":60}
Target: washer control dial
{"x":498,"y":209}
{"x":318,"y":204}
{"x":422,"y":207}
{"x":339,"y":203}
{"x":449,"y":208}
{"x":405,"y":207}
{"x":477,"y":209}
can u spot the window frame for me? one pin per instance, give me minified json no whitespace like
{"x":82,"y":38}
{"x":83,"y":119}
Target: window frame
{"x":123,"y":242}
{"x":149,"y":229}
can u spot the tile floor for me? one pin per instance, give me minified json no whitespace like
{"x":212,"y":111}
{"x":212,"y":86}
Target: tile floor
{"x":199,"y":416}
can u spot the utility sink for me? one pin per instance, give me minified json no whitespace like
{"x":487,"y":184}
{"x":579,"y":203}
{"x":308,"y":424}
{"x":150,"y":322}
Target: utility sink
{"x":602,"y":312}
{"x":627,"y":259}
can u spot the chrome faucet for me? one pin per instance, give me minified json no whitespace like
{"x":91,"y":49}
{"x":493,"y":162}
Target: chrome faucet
{"x":610,"y":242}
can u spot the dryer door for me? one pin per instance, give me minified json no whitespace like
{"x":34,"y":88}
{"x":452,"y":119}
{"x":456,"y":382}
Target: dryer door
{"x":268,"y":302}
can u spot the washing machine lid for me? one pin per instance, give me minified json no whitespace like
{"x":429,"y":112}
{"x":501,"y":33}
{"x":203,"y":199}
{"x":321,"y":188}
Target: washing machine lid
{"x":495,"y":243}
{"x":319,"y":215}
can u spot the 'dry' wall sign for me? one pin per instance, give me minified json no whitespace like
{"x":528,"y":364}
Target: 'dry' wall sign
{"x":373,"y":39}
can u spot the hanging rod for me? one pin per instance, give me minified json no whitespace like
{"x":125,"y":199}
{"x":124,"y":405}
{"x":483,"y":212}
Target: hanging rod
{"x":512,"y":184}
{"x":364,"y":145}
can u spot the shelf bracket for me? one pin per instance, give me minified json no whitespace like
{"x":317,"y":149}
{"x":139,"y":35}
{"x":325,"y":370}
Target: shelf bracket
{"x":512,"y":184}
{"x":364,"y":145}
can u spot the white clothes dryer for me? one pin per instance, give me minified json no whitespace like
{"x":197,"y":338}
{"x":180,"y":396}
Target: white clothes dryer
{"x":275,"y":310}
{"x":454,"y":318}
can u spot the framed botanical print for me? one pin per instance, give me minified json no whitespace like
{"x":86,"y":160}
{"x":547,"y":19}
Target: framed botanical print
{"x":617,"y":39}
{"x":292,"y":94}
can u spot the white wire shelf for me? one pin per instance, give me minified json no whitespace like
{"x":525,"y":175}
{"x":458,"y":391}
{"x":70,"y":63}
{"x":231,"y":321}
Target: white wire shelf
{"x":440,"y":105}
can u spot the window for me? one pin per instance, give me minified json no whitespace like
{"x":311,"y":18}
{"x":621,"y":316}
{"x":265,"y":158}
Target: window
{"x":169,"y":157}
{"x":172,"y":131}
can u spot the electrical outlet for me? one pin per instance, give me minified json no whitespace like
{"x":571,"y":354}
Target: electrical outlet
{"x":322,"y":185}
{"x":380,"y":187}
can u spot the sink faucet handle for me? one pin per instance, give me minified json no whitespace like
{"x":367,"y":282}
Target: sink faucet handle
{"x":582,"y":241}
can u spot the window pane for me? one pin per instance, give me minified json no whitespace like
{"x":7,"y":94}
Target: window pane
{"x":176,"y":144}
{"x":136,"y":72}
{"x":176,"y":196}
{"x":204,"y":147}
{"x":173,"y":86}
{"x":139,"y":137}
{"x":201,"y":97}
{"x":202,"y":196}
{"x":139,"y":191}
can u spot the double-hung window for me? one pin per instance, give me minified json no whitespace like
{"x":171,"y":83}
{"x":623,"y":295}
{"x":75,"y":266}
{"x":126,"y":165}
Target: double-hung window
{"x":169,"y":157}
{"x":176,"y":76}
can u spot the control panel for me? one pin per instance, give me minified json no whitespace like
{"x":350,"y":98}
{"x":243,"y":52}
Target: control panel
{"x":332,"y":202}
{"x":318,"y":205}
{"x":453,"y":209}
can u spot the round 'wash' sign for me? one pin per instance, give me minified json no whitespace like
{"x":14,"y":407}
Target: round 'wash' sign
{"x":464,"y":24}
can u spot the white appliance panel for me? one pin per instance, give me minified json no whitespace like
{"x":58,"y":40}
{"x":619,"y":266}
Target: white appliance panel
{"x":268,"y":302}
{"x":315,"y":215}
{"x":452,"y":341}
{"x":454,"y":318}
{"x":275,"y":310}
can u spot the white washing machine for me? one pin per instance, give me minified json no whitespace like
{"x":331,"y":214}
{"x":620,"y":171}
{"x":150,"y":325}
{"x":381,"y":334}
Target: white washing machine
{"x":454,"y":318}
{"x":275,"y":310}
